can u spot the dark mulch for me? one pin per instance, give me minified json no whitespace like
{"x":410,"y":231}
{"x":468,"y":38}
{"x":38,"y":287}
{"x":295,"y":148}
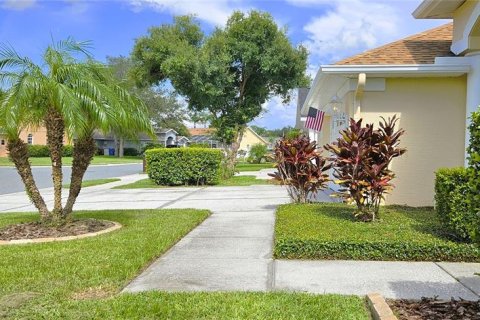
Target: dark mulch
{"x":35,"y":230}
{"x":434,"y":309}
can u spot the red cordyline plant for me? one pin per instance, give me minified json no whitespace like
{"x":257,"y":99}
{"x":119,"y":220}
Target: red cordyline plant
{"x":361,"y":160}
{"x":300,"y":167}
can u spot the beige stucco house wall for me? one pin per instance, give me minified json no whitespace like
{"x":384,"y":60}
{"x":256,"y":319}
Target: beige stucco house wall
{"x":250,"y":137}
{"x":432,"y":112}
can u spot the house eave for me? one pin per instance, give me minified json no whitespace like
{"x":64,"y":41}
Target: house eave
{"x":437,"y":9}
{"x":336,"y":75}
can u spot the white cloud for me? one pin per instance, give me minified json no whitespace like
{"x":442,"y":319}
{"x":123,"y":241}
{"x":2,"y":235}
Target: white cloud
{"x":215,"y":12}
{"x":349,"y":27}
{"x":276,"y":114}
{"x":18,"y":4}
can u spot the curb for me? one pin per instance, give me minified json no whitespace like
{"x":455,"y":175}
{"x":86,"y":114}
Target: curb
{"x":115,"y":226}
{"x":379,"y":307}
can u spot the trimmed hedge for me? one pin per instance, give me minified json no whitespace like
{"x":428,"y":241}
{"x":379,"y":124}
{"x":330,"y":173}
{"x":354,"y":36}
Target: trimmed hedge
{"x":41,"y":151}
{"x":375,"y":250}
{"x":130,"y":152}
{"x":183,"y":166}
{"x":451,"y":191}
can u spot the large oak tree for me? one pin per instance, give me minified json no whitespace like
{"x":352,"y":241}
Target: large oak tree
{"x":231,"y":73}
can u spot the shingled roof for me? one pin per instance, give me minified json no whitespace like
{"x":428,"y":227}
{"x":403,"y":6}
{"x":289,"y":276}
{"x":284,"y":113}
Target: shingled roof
{"x":421,"y":48}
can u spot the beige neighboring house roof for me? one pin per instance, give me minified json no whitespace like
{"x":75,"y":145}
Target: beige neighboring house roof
{"x":421,"y":48}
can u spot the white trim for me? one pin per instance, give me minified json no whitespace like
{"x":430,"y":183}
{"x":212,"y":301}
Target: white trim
{"x":396,"y":69}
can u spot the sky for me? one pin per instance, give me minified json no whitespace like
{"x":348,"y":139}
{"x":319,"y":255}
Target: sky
{"x":330,"y":29}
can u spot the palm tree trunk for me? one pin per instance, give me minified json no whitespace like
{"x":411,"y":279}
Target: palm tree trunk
{"x":55,"y":131}
{"x":18,"y":153}
{"x":83,"y":152}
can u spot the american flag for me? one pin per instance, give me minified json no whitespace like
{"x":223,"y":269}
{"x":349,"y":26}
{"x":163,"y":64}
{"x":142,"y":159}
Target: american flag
{"x":314,"y":119}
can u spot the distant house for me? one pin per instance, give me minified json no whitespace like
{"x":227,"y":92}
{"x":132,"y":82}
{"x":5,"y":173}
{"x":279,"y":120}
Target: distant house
{"x":204,"y":136}
{"x":207,"y":136}
{"x":33,"y":136}
{"x":167,"y":137}
{"x":431,"y":80}
{"x":250,"y":138}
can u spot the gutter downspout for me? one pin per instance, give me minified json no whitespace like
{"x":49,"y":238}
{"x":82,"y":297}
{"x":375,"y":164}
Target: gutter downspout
{"x":362,"y":79}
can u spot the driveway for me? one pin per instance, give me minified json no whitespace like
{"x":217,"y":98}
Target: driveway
{"x":10,"y":180}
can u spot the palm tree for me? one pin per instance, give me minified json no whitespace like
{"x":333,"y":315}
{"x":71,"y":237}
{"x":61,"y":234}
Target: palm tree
{"x":70,"y":94}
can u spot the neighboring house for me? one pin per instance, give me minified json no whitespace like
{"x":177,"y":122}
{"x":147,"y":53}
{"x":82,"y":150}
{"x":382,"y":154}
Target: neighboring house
{"x":250,"y":137}
{"x":204,"y":136}
{"x":431,"y":80}
{"x":34,"y":136}
{"x":182,"y":141}
{"x":108,"y":142}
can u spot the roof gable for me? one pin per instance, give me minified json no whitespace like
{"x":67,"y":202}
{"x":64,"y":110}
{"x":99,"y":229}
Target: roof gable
{"x":421,"y":48}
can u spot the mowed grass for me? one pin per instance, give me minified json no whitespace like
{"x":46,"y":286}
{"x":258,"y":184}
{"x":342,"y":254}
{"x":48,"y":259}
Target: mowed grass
{"x":67,"y":161}
{"x":218,"y":306}
{"x":99,"y":265}
{"x":96,"y":182}
{"x":244,"y":166}
{"x":233,"y":181}
{"x":81,"y":279}
{"x":329,"y":231}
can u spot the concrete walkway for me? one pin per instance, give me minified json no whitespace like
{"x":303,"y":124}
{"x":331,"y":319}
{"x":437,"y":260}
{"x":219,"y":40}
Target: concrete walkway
{"x":232,"y":249}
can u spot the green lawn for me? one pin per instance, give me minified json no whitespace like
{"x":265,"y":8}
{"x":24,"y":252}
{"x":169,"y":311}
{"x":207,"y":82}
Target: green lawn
{"x":233,"y":181}
{"x":68,"y":161}
{"x":244,"y":166}
{"x":81,"y":279}
{"x":329,"y":231}
{"x":91,"y":183}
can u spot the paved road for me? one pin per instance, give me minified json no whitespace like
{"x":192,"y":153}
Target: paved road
{"x":10,"y":180}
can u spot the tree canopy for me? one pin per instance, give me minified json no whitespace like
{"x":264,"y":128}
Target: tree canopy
{"x":231,"y":73}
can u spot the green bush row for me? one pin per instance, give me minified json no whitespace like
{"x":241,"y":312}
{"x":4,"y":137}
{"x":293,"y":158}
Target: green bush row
{"x":364,"y":250}
{"x":183,"y":166}
{"x":130,"y":152}
{"x":40,"y":151}
{"x":451,"y":191}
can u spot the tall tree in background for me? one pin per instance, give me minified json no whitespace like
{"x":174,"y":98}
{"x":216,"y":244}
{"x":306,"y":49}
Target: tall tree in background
{"x":230,"y":73}
{"x":164,"y":109}
{"x":69,"y":94}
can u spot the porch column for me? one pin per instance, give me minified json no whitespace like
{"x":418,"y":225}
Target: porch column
{"x":473,"y":93}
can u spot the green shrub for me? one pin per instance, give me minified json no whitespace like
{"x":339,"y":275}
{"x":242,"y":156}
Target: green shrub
{"x":183,"y":166}
{"x":68,"y":151}
{"x":130,"y":152}
{"x":258,"y":152}
{"x":38,"y":151}
{"x":451,"y":191}
{"x":474,"y":168}
{"x":150,"y":146}
{"x":199,"y":145}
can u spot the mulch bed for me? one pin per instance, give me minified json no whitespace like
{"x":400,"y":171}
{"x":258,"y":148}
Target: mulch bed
{"x":36,"y":230}
{"x":434,"y":309}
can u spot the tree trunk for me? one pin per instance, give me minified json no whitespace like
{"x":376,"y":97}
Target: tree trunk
{"x":83,"y":152}
{"x":121,"y":147}
{"x":18,"y":153}
{"x":55,"y":131}
{"x":232,"y":152}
